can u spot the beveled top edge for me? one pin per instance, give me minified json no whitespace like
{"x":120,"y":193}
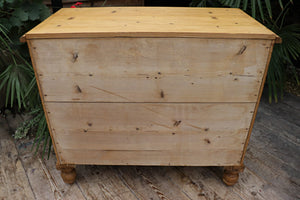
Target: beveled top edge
{"x":150,"y":22}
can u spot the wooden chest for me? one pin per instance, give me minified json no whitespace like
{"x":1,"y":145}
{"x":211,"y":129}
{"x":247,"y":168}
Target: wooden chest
{"x":150,"y":86}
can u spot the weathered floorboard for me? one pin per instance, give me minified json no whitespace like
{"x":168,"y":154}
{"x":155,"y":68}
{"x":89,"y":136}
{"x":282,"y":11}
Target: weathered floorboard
{"x":209,"y":182}
{"x":274,"y":151}
{"x":102,"y":182}
{"x":271,"y":170}
{"x":14,"y":183}
{"x":45,"y":178}
{"x":136,"y":183}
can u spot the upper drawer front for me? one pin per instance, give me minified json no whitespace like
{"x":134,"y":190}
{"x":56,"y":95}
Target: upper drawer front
{"x":150,"y":69}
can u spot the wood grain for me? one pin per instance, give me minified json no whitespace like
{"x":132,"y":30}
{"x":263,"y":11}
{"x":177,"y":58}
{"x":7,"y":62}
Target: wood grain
{"x":102,"y":182}
{"x":34,"y":65}
{"x":271,"y":172}
{"x":13,"y":180}
{"x":166,"y":190}
{"x":150,"y":22}
{"x":151,"y":86}
{"x":258,"y":99}
{"x":165,"y":140}
{"x":151,"y":130}
{"x":43,"y":178}
{"x":210,"y":183}
{"x":273,"y":143}
{"x":150,"y":69}
{"x":222,"y":157}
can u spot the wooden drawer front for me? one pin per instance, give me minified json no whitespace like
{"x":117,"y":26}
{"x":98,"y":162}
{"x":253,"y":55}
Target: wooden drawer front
{"x":150,"y":69}
{"x":150,"y":133}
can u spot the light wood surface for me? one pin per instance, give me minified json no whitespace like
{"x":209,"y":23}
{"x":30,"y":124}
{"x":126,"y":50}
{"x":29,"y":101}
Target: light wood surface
{"x":258,"y":101}
{"x":222,"y":157}
{"x":127,"y":133}
{"x":150,"y":22}
{"x":124,"y":140}
{"x":150,"y":69}
{"x":271,"y":171}
{"x":35,"y":67}
{"x":119,"y":87}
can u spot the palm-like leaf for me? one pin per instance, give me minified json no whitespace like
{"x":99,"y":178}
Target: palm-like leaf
{"x":283,"y":55}
{"x":18,"y":81}
{"x":253,"y":6}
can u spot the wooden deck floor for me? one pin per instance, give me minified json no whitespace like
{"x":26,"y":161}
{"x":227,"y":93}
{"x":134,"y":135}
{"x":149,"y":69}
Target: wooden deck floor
{"x":272,"y":169}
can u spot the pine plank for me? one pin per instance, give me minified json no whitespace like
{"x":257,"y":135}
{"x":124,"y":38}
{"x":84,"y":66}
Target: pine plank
{"x":258,"y":99}
{"x":150,"y":69}
{"x":222,"y":157}
{"x":150,"y":22}
{"x":151,"y":117}
{"x":166,"y":141}
{"x":152,"y":129}
{"x":42,"y":99}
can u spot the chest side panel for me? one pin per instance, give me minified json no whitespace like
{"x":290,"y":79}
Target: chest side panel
{"x":150,"y":69}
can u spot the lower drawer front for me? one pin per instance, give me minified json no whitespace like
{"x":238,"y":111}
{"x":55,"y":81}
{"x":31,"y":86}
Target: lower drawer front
{"x":195,"y":134}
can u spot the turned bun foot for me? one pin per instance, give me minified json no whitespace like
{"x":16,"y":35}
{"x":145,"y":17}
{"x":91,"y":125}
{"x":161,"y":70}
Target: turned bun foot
{"x":231,"y":174}
{"x":68,"y":172}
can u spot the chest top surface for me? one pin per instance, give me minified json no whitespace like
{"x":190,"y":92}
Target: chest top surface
{"x":150,"y":22}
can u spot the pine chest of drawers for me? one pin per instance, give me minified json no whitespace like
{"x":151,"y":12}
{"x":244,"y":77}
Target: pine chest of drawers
{"x":150,"y":86}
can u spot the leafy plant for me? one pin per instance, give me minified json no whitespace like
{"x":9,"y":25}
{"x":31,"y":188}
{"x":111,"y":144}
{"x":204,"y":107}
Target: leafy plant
{"x":37,"y":123}
{"x":17,"y":80}
{"x":17,"y":72}
{"x":273,"y":15}
{"x":19,"y":16}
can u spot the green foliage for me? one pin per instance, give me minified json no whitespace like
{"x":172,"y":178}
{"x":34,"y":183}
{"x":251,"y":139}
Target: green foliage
{"x":255,"y":7}
{"x":273,"y":15}
{"x":16,"y":72}
{"x":17,"y":80}
{"x":283,"y":56}
{"x":18,"y":16}
{"x":38,"y":124}
{"x":15,"y":77}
